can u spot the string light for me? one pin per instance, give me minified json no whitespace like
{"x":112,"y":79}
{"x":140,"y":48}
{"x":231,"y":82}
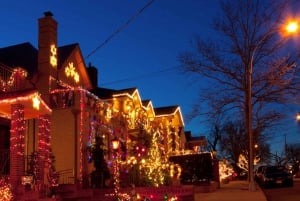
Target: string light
{"x":17,"y":75}
{"x":70,"y":71}
{"x":44,"y":146}
{"x":53,"y":56}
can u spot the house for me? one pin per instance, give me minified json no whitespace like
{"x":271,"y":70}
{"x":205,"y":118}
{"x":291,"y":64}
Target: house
{"x":50,"y":104}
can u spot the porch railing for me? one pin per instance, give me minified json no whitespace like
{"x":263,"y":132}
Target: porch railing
{"x":66,"y":176}
{"x":11,"y":79}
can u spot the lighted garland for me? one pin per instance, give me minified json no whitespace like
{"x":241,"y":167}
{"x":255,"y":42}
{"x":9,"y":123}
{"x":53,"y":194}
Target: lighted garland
{"x":17,"y":129}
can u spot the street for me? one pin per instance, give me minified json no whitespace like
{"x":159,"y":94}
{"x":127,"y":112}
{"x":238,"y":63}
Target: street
{"x":284,"y":193}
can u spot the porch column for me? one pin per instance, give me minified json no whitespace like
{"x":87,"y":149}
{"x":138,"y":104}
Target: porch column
{"x":17,"y":135}
{"x":43,"y":148}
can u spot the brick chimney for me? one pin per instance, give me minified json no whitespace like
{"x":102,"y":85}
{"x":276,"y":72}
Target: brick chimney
{"x":47,"y":53}
{"x":93,"y":74}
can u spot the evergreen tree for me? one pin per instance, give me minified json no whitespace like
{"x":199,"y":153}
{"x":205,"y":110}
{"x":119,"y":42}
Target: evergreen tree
{"x":102,"y":172}
{"x":154,"y":167}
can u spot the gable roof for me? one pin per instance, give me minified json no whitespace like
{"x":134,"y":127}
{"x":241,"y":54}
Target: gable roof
{"x":26,"y":98}
{"x":25,"y":55}
{"x":146,"y":103}
{"x":64,"y":52}
{"x":73,"y":53}
{"x":128,"y":91}
{"x":169,"y":110}
{"x":104,"y":93}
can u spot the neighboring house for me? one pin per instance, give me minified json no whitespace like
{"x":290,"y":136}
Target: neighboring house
{"x":50,"y":103}
{"x":171,"y":125}
{"x":197,"y":144}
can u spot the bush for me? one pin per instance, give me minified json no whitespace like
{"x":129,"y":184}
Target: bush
{"x":196,"y":168}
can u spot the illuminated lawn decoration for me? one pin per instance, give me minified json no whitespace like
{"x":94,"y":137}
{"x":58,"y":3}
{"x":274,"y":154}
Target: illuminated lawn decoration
{"x":5,"y":191}
{"x":225,"y":170}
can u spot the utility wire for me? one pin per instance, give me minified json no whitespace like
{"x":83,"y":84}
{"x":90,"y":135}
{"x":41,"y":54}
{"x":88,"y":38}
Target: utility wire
{"x":119,"y":29}
{"x":140,"y":76}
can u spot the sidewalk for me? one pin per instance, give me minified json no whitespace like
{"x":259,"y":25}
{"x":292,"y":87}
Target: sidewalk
{"x":233,"y":191}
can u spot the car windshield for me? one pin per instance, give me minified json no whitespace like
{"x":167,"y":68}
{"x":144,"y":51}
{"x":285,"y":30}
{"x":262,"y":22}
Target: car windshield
{"x":275,"y":169}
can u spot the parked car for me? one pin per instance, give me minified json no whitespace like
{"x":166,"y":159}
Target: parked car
{"x":258,"y":173}
{"x":273,"y":176}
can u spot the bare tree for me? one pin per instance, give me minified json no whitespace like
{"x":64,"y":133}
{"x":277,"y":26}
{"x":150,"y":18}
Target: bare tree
{"x":248,"y":40}
{"x":293,"y":153}
{"x":214,"y":136}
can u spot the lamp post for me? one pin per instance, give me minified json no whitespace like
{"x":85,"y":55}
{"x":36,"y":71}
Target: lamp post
{"x":115,"y":145}
{"x":249,"y":124}
{"x":291,"y":28}
{"x":248,"y":114}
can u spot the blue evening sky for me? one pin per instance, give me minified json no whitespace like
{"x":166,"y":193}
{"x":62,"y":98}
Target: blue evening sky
{"x":143,"y":54}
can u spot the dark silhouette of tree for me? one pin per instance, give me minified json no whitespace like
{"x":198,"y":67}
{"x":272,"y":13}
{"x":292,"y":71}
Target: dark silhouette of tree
{"x":293,"y":156}
{"x":214,"y":135}
{"x":248,"y":40}
{"x":234,"y":143}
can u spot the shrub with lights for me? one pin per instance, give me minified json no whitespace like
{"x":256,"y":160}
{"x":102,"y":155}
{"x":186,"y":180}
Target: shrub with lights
{"x":196,"y":168}
{"x":152,"y":168}
{"x":5,"y":190}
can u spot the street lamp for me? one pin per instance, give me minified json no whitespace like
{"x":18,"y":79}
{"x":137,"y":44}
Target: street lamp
{"x":292,"y":27}
{"x":298,"y":117}
{"x":115,"y":145}
{"x":248,"y":112}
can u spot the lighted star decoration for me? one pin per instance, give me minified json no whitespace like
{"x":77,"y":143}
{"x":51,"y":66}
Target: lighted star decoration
{"x":70,"y":71}
{"x":36,"y":102}
{"x":53,"y":56}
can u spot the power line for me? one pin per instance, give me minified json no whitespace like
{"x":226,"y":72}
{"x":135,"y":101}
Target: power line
{"x":155,"y":73}
{"x":119,"y":29}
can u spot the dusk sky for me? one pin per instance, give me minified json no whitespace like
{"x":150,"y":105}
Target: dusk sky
{"x":142,"y":54}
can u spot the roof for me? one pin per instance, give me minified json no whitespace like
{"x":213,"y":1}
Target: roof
{"x":165,"y":110}
{"x":64,"y":52}
{"x":146,"y":103}
{"x":104,"y":93}
{"x":25,"y":55}
{"x":34,"y":106}
{"x":21,"y":55}
{"x":197,"y":141}
{"x":129,"y":91}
